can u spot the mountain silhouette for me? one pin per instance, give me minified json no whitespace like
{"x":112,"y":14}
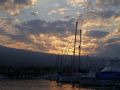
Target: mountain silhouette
{"x":23,"y":58}
{"x":19,"y":57}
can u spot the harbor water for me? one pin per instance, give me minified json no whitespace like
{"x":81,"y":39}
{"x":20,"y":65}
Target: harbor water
{"x":40,"y":85}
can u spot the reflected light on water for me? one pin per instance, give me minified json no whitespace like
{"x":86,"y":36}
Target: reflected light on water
{"x":54,"y":86}
{"x":41,"y":85}
{"x":35,"y":85}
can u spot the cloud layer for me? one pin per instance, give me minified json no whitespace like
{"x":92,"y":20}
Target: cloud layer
{"x":53,"y":37}
{"x":13,"y":7}
{"x":99,"y":21}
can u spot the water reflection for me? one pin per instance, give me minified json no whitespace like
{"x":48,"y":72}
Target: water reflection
{"x":40,"y":85}
{"x":54,"y":86}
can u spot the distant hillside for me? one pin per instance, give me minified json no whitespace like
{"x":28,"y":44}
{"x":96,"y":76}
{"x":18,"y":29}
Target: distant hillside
{"x":18,"y":57}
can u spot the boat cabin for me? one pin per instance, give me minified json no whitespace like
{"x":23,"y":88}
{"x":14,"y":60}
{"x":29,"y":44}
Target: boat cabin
{"x":110,"y":72}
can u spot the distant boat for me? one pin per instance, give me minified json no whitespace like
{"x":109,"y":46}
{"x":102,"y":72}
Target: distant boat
{"x":111,"y":71}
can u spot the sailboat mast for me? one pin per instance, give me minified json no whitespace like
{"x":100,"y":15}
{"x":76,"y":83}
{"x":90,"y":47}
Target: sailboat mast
{"x":56,"y":62}
{"x":80,"y":48}
{"x":75,"y":38}
{"x":75,"y":41}
{"x":61,"y":61}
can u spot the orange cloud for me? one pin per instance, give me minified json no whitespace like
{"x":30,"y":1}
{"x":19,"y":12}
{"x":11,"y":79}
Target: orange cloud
{"x":7,"y":27}
{"x":22,"y":45}
{"x":54,"y":44}
{"x":13,"y":7}
{"x":76,"y":3}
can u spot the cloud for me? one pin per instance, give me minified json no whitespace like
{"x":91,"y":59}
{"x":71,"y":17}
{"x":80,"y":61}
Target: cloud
{"x":38,"y":26}
{"x":100,"y":25}
{"x":43,"y":36}
{"x":52,"y":12}
{"x":22,"y":45}
{"x":48,"y":43}
{"x":95,"y":5}
{"x":38,"y":35}
{"x":6,"y":27}
{"x":4,"y":40}
{"x":103,"y":36}
{"x":51,"y":37}
{"x":58,"y":11}
{"x":76,"y":3}
{"x":108,"y":2}
{"x":13,"y":7}
{"x":96,"y":34}
{"x":110,"y":50}
{"x":106,"y":20}
{"x":109,"y":46}
{"x":35,"y":13}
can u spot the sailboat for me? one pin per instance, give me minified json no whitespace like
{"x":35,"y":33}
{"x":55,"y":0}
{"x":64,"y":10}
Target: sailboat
{"x":111,"y":71}
{"x":75,"y":74}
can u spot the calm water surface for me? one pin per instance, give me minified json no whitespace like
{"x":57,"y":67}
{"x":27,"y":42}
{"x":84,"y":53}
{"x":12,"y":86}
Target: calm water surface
{"x":36,"y":85}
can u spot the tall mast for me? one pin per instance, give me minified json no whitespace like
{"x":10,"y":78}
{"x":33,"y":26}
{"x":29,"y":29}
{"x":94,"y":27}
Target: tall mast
{"x":80,"y":48}
{"x":75,"y":38}
{"x":61,"y":61}
{"x":56,"y":63}
{"x":75,"y":41}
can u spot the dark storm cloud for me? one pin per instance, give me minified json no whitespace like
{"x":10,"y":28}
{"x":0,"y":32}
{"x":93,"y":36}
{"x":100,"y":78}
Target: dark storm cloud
{"x":110,"y":50}
{"x":2,"y":1}
{"x":22,"y":1}
{"x":110,"y":45}
{"x":100,"y":14}
{"x":113,"y":40}
{"x":105,"y":14}
{"x":39,"y":26}
{"x":96,"y":34}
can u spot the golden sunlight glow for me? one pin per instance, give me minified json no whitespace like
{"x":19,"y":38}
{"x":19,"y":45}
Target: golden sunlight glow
{"x":76,"y":3}
{"x":97,"y":23}
{"x":22,"y":45}
{"x":33,"y":1}
{"x":52,"y":43}
{"x":61,"y":45}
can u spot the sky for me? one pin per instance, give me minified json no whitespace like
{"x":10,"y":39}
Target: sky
{"x":48,"y":26}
